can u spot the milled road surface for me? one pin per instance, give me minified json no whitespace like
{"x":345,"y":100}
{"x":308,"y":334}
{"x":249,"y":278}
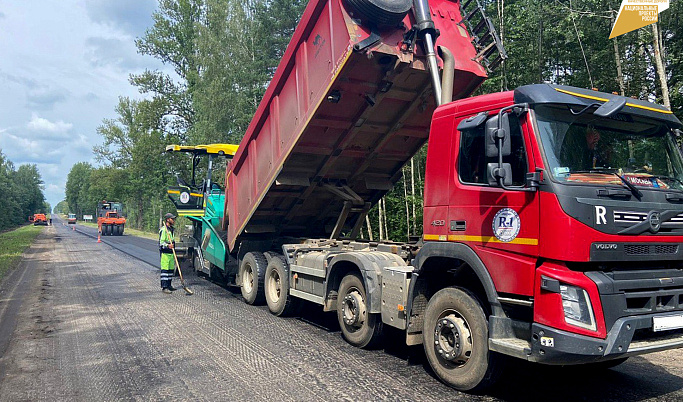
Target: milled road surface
{"x":88,"y":322}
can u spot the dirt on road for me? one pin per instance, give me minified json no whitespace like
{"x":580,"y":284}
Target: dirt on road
{"x":83,"y":321}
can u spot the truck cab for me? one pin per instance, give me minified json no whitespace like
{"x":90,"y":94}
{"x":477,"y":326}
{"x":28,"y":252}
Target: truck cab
{"x":71,"y":220}
{"x":571,"y":229}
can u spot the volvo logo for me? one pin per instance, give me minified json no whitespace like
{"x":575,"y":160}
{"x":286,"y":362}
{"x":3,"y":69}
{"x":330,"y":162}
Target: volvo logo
{"x":606,"y":246}
{"x":655,"y":221}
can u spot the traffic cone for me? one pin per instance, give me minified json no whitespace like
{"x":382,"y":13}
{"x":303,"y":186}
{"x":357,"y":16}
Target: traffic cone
{"x":73,"y":228}
{"x":98,"y":237}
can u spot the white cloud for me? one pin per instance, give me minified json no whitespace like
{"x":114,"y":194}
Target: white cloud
{"x":41,"y":124}
{"x":103,"y":52}
{"x":44,"y":97}
{"x":130,"y":16}
{"x":61,"y":73}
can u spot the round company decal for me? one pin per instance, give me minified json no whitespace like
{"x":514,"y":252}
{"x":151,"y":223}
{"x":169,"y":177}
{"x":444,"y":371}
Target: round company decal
{"x":184,"y":197}
{"x":506,"y":225}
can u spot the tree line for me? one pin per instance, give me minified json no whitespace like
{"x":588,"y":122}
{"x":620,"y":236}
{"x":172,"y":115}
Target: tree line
{"x":22,"y":193}
{"x":224,"y":53}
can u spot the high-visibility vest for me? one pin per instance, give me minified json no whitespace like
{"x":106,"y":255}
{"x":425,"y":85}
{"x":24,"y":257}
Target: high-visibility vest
{"x":165,"y":238}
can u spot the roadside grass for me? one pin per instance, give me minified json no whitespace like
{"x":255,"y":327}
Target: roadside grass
{"x":13,"y":244}
{"x":127,"y":230}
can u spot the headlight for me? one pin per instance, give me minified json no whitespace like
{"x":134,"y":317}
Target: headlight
{"x":577,"y":307}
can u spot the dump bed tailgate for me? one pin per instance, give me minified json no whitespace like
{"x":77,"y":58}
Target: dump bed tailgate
{"x":336,"y":123}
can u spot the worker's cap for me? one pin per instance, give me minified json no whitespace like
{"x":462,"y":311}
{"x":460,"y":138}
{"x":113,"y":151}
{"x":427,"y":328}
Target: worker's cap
{"x":169,"y":216}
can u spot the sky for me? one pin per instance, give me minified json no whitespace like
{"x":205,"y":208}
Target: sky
{"x":63,"y":66}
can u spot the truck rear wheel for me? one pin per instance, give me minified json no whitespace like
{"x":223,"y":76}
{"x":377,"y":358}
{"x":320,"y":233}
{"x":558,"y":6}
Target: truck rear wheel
{"x":252,"y":273}
{"x":276,"y":287}
{"x":456,"y":341}
{"x":358,"y":326}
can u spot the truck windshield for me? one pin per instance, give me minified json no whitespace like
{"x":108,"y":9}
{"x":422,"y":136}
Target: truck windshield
{"x":589,"y":149}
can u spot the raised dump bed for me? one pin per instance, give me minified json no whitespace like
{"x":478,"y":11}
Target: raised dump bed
{"x":346,"y":109}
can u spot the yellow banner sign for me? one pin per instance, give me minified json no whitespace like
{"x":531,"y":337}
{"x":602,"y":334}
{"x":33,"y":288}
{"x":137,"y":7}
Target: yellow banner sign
{"x":634,"y":14}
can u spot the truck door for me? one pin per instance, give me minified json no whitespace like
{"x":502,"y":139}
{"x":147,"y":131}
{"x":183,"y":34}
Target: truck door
{"x":501,"y":226}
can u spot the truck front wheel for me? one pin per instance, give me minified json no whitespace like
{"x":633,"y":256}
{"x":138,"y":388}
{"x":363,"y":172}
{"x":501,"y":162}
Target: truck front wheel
{"x":455,"y":337}
{"x":252,"y":273}
{"x":279,"y":301}
{"x":358,"y":326}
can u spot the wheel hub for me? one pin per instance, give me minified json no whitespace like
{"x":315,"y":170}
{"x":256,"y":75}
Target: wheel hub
{"x":353,"y":309}
{"x":248,"y":280}
{"x":452,"y":339}
{"x":275,"y":287}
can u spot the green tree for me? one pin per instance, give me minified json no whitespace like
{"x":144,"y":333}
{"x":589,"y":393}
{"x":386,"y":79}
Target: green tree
{"x":78,"y":187}
{"x":62,"y":207}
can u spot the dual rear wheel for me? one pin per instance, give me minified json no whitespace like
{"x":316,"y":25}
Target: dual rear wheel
{"x":264,"y":281}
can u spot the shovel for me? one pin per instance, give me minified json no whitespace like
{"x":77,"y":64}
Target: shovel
{"x":182,"y":281}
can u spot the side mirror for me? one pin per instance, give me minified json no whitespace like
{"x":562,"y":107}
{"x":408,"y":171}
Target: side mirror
{"x":493,"y":172}
{"x":493,"y":134}
{"x":611,"y":107}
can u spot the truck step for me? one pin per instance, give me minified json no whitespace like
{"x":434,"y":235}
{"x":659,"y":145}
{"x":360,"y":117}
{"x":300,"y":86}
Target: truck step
{"x":511,"y":346}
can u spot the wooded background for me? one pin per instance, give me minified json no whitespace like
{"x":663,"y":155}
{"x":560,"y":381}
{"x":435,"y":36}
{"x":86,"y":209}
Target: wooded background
{"x":224,"y":53}
{"x":21,"y":194}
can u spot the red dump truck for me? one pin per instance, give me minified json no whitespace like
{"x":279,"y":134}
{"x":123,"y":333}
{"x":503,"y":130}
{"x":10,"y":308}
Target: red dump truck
{"x":539,"y":242}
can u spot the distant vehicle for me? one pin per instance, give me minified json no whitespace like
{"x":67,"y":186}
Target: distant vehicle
{"x":71,"y":220}
{"x":110,"y":218}
{"x":39,"y":219}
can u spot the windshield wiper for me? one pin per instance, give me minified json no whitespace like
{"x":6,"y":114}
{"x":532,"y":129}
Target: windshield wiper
{"x":630,"y":186}
{"x":612,"y":171}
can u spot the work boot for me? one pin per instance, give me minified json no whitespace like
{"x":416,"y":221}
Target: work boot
{"x":172,"y":289}
{"x":166,"y":290}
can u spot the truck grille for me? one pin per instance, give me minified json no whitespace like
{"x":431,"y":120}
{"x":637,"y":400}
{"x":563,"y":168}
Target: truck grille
{"x":635,"y":292}
{"x":631,"y":217}
{"x":653,"y":249}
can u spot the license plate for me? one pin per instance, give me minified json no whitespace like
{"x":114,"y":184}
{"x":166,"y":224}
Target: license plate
{"x":667,"y":322}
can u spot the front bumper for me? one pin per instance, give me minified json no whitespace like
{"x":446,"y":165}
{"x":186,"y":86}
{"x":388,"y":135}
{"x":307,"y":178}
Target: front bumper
{"x":558,"y":347}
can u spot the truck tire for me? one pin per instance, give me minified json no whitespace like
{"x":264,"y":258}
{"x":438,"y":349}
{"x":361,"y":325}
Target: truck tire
{"x":105,"y":230}
{"x":121,"y":229}
{"x":252,"y":274}
{"x":379,"y":12}
{"x":359,"y":328}
{"x":276,"y":287}
{"x":455,"y":338}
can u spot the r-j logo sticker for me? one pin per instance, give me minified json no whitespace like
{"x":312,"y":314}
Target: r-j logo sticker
{"x":634,"y":14}
{"x":506,"y":225}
